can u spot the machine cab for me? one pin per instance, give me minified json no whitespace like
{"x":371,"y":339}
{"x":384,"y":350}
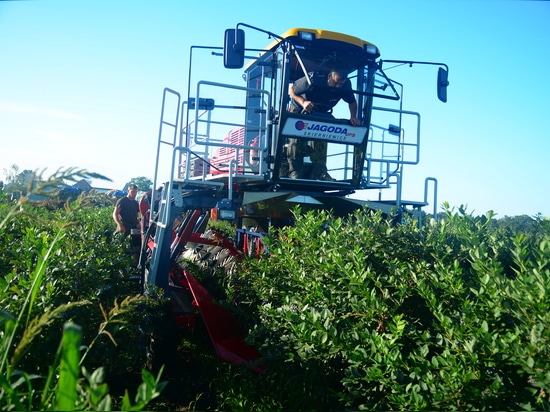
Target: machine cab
{"x":320,"y":149}
{"x":251,"y":136}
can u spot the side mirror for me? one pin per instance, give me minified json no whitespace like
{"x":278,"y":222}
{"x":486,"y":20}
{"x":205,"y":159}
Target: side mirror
{"x":442,"y":83}
{"x":233,"y":49}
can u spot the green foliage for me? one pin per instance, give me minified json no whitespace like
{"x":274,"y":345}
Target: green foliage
{"x":68,"y":374}
{"x":143,"y":183}
{"x":360,"y":314}
{"x":349,"y":314}
{"x":29,"y":182}
{"x":223,"y":227}
{"x":16,"y":180}
{"x":63,"y":267}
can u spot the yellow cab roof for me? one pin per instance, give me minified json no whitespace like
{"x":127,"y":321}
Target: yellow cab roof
{"x":322,"y":38}
{"x":324,"y":34}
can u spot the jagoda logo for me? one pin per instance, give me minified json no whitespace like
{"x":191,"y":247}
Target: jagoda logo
{"x":300,"y":125}
{"x":323,"y":128}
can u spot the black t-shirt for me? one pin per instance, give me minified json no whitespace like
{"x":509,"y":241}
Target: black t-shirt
{"x":128,"y":212}
{"x":319,"y":92}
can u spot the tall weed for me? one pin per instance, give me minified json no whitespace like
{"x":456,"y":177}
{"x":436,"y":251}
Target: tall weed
{"x":38,"y":294}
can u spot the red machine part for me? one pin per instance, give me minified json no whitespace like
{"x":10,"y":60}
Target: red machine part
{"x":226,"y":334}
{"x":224,"y":331}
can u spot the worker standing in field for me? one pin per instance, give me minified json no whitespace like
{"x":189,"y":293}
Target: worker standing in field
{"x":126,"y":211}
{"x":126,"y":216}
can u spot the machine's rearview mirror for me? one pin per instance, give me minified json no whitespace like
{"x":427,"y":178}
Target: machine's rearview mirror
{"x":233,"y":49}
{"x":442,"y":83}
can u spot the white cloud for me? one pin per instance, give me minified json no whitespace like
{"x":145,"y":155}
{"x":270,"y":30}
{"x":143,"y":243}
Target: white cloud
{"x":53,"y":138}
{"x":11,"y":106}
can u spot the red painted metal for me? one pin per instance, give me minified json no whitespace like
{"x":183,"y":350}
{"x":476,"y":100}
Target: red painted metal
{"x":187,"y":231}
{"x":225,"y":333}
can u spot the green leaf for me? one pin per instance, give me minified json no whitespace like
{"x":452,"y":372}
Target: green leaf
{"x":66,"y":393}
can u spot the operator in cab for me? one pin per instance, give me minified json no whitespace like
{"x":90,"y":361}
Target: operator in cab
{"x":317,"y":94}
{"x":314,"y":95}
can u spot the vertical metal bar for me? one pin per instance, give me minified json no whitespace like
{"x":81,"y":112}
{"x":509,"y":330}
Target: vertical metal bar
{"x":434,"y":180}
{"x":160,"y":141}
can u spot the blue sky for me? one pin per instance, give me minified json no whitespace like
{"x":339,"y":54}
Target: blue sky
{"x":81,"y":84}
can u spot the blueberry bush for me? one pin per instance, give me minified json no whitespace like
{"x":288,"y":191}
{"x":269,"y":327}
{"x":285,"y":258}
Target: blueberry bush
{"x":352,"y":313}
{"x":361,"y":314}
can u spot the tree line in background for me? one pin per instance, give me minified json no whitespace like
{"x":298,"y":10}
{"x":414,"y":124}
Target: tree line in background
{"x":23,"y":181}
{"x":17,"y":179}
